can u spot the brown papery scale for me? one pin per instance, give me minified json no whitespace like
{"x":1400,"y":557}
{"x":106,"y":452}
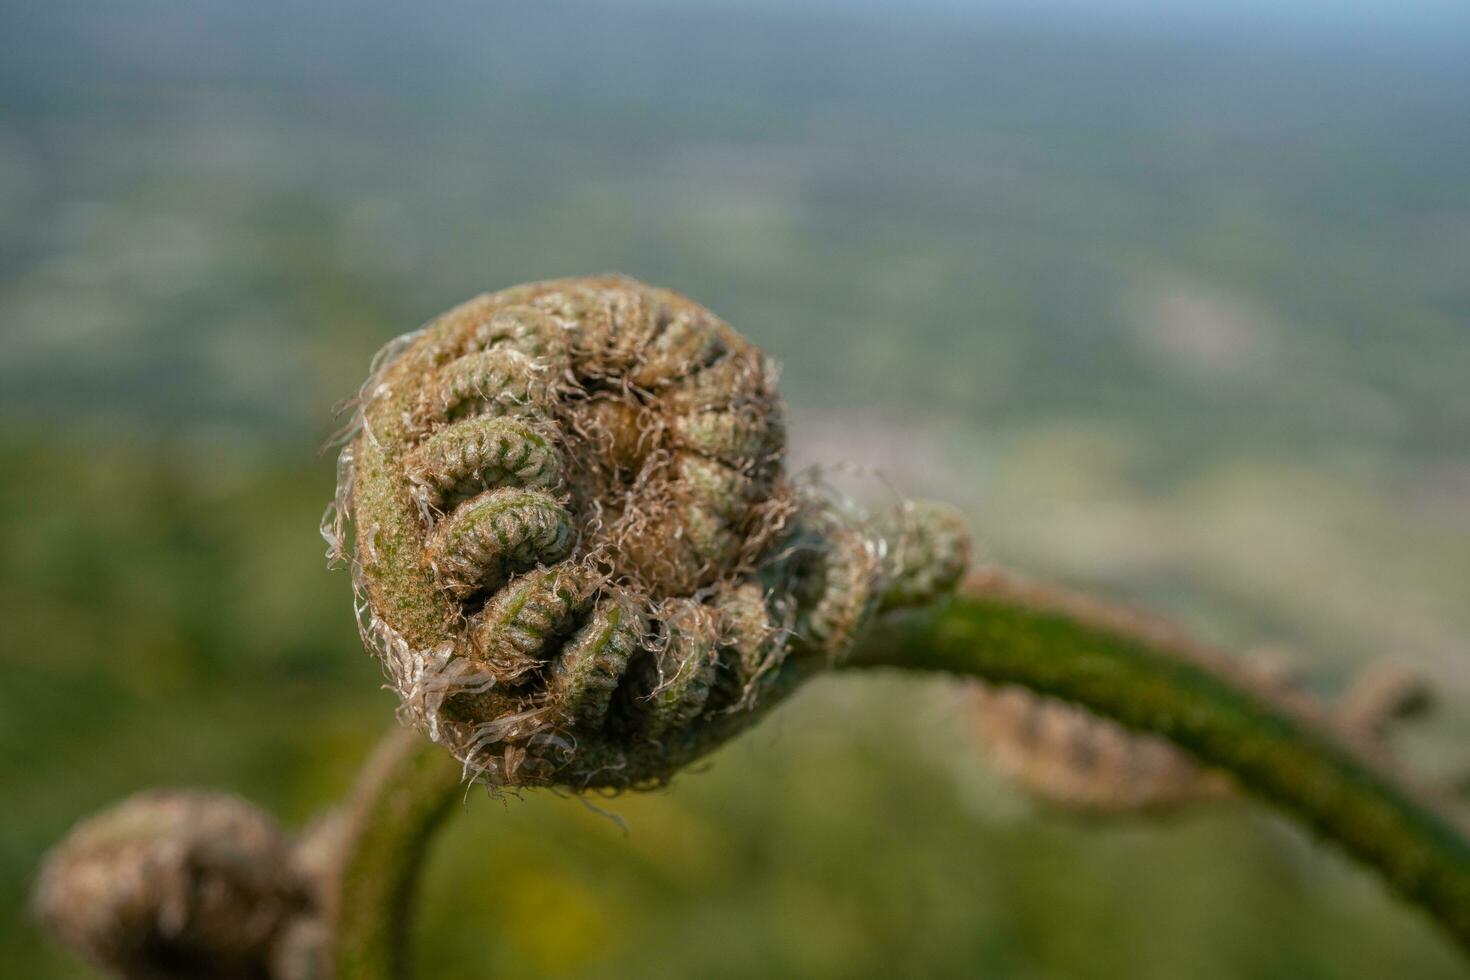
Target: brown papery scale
{"x":574,"y":543}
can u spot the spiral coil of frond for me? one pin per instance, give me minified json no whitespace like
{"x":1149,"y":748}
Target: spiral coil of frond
{"x":576,"y":549}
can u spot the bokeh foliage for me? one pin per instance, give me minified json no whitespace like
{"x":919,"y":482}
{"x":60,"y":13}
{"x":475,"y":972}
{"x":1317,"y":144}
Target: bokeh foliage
{"x":1179,"y":313}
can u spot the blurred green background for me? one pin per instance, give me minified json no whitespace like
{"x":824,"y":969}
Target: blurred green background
{"x":1175,"y":302}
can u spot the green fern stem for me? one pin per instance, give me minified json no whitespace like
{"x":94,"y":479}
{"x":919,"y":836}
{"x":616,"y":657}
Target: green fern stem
{"x":1151,"y":678}
{"x":1117,"y":664}
{"x":402,"y":796}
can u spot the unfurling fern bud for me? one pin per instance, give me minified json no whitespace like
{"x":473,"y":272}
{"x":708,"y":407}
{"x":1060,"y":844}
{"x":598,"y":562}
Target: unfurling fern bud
{"x":1065,"y":756}
{"x":1062,"y":755}
{"x":172,"y":884}
{"x":575,"y":547}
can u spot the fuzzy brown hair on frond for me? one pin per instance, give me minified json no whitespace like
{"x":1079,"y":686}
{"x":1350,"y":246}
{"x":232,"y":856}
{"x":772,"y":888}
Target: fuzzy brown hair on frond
{"x":574,"y":543}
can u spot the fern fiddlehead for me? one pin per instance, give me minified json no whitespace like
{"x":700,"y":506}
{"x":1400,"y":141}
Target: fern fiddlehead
{"x":1065,"y":756}
{"x":175,"y":884}
{"x":576,"y":549}
{"x":578,"y":556}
